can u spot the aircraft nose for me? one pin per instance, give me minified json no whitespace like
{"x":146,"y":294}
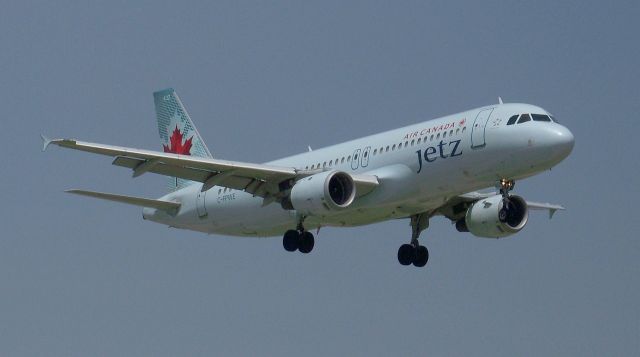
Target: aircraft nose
{"x":564,"y":140}
{"x":560,"y":140}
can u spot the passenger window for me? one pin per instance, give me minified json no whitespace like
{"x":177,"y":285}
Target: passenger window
{"x":324,"y":164}
{"x":331,"y":163}
{"x":393,"y":148}
{"x":349,"y":158}
{"x":342,"y":161}
{"x":438,"y":136}
{"x":406,"y":143}
{"x":540,"y":117}
{"x":413,"y":142}
{"x":451,"y":132}
{"x":464,"y":128}
{"x":457,"y":131}
{"x":375,"y":151}
{"x":524,"y":118}
{"x":431,"y":137}
{"x":419,"y":140}
{"x":387,"y":150}
{"x":512,"y":120}
{"x":444,"y":135}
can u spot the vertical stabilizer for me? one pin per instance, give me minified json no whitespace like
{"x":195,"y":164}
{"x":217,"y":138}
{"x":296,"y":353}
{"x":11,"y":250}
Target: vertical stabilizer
{"x":177,"y":132}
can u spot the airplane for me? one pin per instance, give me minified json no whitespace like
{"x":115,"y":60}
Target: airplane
{"x":433,"y":168}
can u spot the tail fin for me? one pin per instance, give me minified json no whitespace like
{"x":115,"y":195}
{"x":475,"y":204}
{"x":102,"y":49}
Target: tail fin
{"x":177,"y":132}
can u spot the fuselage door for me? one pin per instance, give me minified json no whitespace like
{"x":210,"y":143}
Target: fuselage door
{"x":201,"y":204}
{"x":364,"y":161}
{"x":355,"y":160}
{"x":478,"y":130}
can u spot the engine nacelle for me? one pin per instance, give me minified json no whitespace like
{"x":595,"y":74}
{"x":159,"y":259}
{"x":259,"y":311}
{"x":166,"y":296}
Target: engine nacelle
{"x":323,"y":193}
{"x":483,"y":217}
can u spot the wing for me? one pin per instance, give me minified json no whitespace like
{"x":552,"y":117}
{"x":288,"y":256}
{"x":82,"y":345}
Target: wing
{"x":456,"y":207}
{"x":267,"y":181}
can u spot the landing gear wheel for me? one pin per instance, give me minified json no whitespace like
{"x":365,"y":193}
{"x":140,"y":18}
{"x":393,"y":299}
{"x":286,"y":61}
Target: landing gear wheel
{"x":422,"y":256}
{"x":291,"y":240}
{"x":306,"y":242}
{"x":406,"y":254}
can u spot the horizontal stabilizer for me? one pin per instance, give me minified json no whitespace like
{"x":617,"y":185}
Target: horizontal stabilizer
{"x":45,"y":142}
{"x":167,"y":206}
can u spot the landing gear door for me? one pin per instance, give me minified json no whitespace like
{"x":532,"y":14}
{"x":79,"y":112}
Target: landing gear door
{"x":478,"y":130}
{"x":201,"y":204}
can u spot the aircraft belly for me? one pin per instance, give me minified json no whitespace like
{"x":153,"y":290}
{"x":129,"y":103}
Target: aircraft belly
{"x":241,"y":214}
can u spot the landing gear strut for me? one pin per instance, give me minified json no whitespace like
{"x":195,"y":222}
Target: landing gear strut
{"x":298,"y":239}
{"x":414,"y":252}
{"x":505,"y":187}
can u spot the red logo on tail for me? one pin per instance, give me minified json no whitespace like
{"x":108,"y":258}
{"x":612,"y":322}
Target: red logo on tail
{"x":175,"y":144}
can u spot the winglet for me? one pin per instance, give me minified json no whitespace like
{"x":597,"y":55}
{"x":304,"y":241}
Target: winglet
{"x":500,"y":100}
{"x":45,"y":142}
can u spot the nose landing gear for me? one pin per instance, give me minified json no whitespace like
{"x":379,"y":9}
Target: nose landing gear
{"x":414,"y":253}
{"x":505,"y":187}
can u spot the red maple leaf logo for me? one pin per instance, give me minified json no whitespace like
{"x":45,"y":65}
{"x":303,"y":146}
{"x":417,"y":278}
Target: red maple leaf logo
{"x":462,"y":122}
{"x":175,"y":144}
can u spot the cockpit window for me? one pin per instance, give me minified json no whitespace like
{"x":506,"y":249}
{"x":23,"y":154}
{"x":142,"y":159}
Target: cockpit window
{"x":512,"y":120}
{"x":540,"y":117}
{"x":553,"y":118}
{"x":524,"y":118}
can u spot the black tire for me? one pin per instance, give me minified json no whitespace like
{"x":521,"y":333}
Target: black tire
{"x":406,"y":254}
{"x":291,"y":240}
{"x":306,"y":243}
{"x":422,"y":257}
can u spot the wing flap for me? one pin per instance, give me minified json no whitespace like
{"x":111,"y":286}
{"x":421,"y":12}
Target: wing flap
{"x":161,"y":168}
{"x":167,"y":206}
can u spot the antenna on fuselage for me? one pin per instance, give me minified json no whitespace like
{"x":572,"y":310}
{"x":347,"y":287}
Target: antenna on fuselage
{"x":500,"y":100}
{"x":309,"y":147}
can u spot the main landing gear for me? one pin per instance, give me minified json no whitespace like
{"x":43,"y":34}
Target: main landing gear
{"x":298,"y":239}
{"x":505,"y":187}
{"x":414,"y":253}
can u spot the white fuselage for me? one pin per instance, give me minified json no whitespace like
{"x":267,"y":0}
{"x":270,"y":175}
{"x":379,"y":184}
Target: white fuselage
{"x":419,"y":168}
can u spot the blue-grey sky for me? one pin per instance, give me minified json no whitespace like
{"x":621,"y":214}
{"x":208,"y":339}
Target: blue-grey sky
{"x":263,"y":80}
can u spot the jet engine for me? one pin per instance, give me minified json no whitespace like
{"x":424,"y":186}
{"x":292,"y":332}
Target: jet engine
{"x":492,"y":218}
{"x":322,"y":193}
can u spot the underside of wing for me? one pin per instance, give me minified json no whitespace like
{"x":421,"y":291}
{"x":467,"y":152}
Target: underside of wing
{"x":456,"y":207}
{"x":260,"y":180}
{"x":267,"y":181}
